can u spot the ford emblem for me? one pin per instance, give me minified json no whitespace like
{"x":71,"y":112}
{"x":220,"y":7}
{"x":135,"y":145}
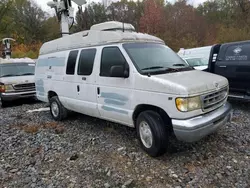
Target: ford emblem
{"x":216,"y":85}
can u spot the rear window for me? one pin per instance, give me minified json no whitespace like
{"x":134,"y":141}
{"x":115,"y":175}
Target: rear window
{"x":71,"y":64}
{"x":20,"y":69}
{"x":237,"y":52}
{"x":86,"y":62}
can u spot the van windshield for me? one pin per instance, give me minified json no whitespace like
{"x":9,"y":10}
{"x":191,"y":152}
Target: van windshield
{"x":17,"y":69}
{"x":155,"y":58}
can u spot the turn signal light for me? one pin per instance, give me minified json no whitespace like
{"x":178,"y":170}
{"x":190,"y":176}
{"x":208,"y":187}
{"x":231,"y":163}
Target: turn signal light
{"x":2,"y":88}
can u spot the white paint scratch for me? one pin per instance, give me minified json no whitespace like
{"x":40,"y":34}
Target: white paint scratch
{"x":38,"y":110}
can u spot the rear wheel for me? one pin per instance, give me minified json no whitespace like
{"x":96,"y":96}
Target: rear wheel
{"x":57,"y":110}
{"x":153,"y":134}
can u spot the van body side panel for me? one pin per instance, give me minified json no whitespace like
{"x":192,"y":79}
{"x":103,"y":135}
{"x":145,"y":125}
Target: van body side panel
{"x":49,"y":75}
{"x":68,"y":87}
{"x":116,"y":94}
{"x":86,"y":90}
{"x":163,"y":98}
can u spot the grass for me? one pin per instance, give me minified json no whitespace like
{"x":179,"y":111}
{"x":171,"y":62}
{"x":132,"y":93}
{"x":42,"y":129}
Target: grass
{"x":33,"y":129}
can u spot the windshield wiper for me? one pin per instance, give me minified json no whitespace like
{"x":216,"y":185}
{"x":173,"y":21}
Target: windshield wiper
{"x":161,"y":70}
{"x":154,"y":67}
{"x":183,"y":66}
{"x":26,"y":74}
{"x":179,"y":65}
{"x":7,"y":75}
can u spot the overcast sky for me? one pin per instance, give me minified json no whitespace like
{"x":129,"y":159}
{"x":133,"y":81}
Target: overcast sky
{"x":43,"y":3}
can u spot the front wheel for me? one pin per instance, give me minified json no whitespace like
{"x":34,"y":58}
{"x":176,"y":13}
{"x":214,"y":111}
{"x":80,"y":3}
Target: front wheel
{"x":4,"y":103}
{"x":152,"y":133}
{"x":57,"y":110}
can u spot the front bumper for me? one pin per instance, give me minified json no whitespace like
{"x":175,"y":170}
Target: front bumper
{"x":194,"y":129}
{"x":17,"y":95}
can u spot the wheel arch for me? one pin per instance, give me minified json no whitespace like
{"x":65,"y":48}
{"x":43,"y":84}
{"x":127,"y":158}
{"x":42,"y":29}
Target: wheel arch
{"x":51,"y":94}
{"x":145,"y":107}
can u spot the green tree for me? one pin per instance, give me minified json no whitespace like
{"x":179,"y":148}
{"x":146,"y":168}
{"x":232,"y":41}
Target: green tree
{"x":126,"y":11}
{"x":5,"y":9}
{"x":93,"y":14}
{"x":51,"y":28}
{"x":28,"y":21}
{"x":184,"y":26}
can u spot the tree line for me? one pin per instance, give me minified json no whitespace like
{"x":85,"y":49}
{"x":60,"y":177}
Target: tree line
{"x":179,"y":24}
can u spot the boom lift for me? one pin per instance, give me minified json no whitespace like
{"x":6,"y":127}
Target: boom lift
{"x":64,"y":12}
{"x":6,"y":53}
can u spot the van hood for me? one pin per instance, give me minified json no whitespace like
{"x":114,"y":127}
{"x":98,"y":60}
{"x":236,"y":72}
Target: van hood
{"x":18,"y":80}
{"x":188,"y":83}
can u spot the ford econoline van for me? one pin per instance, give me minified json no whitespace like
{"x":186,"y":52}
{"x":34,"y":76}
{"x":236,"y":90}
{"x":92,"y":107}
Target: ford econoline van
{"x":16,"y":80}
{"x":116,"y":74}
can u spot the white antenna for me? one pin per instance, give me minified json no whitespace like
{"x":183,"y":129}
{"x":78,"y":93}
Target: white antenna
{"x":7,"y":47}
{"x":64,"y":10}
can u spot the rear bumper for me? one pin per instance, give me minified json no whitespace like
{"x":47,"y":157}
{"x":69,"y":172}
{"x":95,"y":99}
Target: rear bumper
{"x":194,"y":129}
{"x":17,"y":95}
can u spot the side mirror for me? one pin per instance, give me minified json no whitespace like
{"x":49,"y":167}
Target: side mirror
{"x":119,"y":71}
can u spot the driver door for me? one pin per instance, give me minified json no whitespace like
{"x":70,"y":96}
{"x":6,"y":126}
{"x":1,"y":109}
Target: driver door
{"x":114,"y":94}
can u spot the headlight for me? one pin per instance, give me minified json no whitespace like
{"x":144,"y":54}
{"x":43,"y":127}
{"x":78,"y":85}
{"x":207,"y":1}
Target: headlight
{"x":188,"y":104}
{"x":9,"y":88}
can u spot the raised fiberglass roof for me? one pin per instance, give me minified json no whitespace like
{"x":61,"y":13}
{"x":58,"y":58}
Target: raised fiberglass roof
{"x":17,"y":60}
{"x":100,"y":34}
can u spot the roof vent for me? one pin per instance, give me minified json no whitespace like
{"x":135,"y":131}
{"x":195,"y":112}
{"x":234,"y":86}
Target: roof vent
{"x":113,"y":26}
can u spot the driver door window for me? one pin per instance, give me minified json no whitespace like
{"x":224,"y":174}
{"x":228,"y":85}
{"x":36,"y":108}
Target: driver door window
{"x":111,"y":56}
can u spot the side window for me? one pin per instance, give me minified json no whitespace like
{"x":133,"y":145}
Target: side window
{"x":238,"y":52}
{"x":111,"y":56}
{"x":71,"y":64}
{"x":86,"y":62}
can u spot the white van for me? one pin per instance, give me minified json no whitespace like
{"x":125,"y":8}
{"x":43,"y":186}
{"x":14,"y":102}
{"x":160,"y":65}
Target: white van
{"x":196,"y":57}
{"x":113,"y":73}
{"x":16,"y":79}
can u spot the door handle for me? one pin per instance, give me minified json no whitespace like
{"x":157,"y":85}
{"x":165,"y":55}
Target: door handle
{"x":223,"y":66}
{"x":78,"y":88}
{"x":98,"y":90}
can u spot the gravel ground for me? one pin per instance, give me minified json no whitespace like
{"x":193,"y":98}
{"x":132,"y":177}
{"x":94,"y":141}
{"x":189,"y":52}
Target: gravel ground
{"x":88,"y":152}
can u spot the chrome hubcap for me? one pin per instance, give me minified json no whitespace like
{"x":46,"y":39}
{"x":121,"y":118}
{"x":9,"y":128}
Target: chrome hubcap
{"x":146,"y":134}
{"x":54,"y":109}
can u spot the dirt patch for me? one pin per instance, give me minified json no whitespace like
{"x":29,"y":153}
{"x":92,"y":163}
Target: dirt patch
{"x":33,"y":129}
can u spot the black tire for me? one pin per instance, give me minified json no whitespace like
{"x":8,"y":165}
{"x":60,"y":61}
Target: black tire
{"x":159,"y":130}
{"x":4,"y":103}
{"x":62,"y":113}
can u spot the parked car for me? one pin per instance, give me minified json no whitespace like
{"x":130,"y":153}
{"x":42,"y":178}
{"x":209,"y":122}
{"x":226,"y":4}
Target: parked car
{"x":232,"y":60}
{"x":113,"y":73}
{"x":196,"y":57}
{"x":16,"y":80}
{"x":198,"y":63}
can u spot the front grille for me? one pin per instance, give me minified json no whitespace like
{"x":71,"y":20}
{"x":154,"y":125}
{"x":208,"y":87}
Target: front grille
{"x":214,"y":100}
{"x":25,"y":87}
